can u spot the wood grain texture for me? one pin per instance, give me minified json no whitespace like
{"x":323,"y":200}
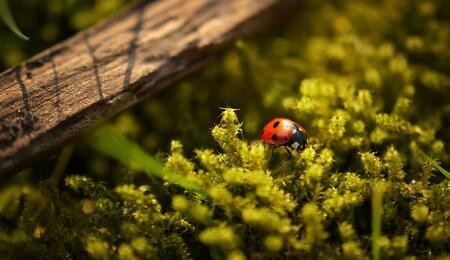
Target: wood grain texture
{"x":105,"y":69}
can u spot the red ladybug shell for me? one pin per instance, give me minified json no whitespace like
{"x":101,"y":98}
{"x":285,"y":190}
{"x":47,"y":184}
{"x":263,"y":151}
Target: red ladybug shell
{"x":279,"y":131}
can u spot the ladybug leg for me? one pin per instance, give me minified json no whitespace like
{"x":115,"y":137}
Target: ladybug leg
{"x":289,"y":152}
{"x":273,"y":149}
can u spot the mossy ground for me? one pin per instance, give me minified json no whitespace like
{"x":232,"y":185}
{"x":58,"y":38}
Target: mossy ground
{"x":369,"y":80}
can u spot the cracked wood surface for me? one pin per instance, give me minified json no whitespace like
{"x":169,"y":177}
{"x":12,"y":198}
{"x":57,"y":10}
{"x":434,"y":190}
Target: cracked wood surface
{"x":103,"y":70}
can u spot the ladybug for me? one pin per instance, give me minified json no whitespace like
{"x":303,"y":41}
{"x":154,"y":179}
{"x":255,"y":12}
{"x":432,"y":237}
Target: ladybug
{"x":285,"y":132}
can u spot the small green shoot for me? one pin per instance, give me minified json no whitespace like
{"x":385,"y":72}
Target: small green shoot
{"x":117,"y":146}
{"x":5,"y":14}
{"x":61,"y":164}
{"x":378,"y":189}
{"x":434,"y":164}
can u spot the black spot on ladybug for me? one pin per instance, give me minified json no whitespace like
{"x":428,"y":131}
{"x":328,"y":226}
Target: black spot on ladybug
{"x":276,"y":124}
{"x":274,"y":137}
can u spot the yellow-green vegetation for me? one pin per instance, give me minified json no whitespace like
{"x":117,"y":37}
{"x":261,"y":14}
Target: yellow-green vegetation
{"x":370,"y":82}
{"x":44,"y":22}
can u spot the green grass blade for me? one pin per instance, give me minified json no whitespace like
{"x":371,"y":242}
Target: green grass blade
{"x":5,"y":14}
{"x":117,"y":146}
{"x":378,"y":189}
{"x":61,"y":164}
{"x":435,"y":164}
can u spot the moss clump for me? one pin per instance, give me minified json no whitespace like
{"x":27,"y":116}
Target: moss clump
{"x":372,"y":101}
{"x":304,"y":207}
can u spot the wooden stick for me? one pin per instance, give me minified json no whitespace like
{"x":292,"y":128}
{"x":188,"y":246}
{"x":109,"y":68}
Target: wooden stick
{"x":103,"y":70}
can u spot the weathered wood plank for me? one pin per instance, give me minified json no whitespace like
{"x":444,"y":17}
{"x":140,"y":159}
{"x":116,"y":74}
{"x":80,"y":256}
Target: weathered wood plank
{"x":107,"y":68}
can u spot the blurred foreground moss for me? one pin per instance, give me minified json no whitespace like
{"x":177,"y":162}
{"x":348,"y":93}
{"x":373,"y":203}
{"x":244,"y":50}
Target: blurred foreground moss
{"x":370,"y":82}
